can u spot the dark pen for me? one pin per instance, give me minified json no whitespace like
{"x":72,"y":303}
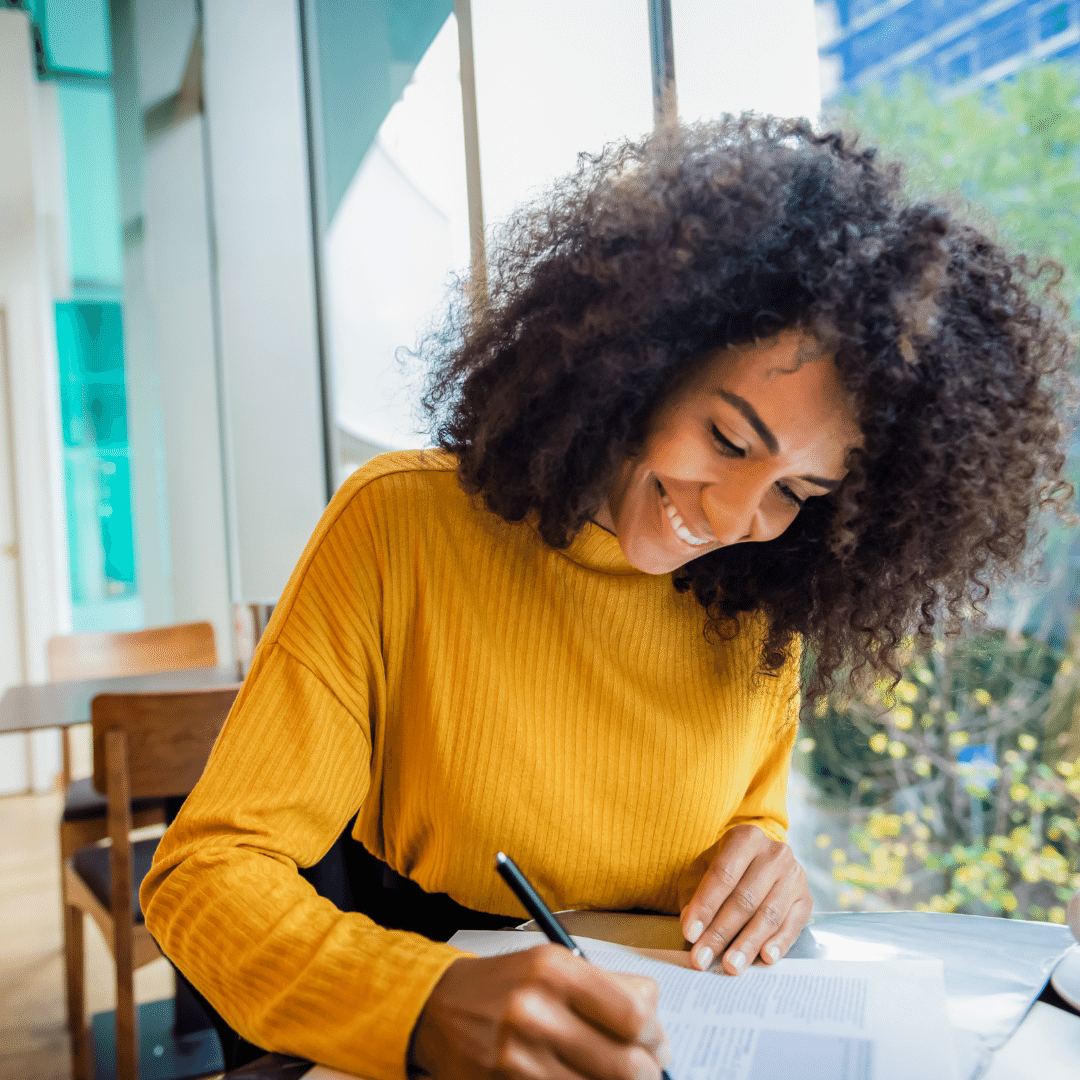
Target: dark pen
{"x":534,"y":904}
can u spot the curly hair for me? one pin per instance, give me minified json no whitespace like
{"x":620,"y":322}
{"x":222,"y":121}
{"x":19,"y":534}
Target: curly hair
{"x":610,"y":290}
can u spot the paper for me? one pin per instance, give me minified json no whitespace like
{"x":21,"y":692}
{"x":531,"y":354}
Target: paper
{"x":794,"y":1020}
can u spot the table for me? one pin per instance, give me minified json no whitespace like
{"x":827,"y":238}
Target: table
{"x":994,"y":968}
{"x":33,"y":706}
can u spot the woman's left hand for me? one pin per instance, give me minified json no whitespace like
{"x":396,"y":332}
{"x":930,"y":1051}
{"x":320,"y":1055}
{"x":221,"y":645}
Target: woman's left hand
{"x":753,"y":901}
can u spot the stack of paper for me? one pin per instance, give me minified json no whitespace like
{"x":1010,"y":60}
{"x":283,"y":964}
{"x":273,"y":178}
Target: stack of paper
{"x":794,"y":1020}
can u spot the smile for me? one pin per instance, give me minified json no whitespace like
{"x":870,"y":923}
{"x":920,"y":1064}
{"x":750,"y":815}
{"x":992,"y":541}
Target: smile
{"x":677,"y":523}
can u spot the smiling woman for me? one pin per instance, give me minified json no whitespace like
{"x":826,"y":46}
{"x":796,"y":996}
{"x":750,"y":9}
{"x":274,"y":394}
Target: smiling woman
{"x":733,"y":455}
{"x":728,"y":393}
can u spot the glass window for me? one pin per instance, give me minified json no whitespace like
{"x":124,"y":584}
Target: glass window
{"x":730,"y":57}
{"x":1054,"y":21}
{"x":960,"y":791}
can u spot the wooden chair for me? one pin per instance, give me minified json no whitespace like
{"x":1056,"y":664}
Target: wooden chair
{"x":102,"y":656}
{"x":145,"y":746}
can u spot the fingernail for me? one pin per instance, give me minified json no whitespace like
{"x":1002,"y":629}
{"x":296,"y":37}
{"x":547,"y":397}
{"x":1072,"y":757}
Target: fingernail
{"x":694,"y":931}
{"x":705,"y":958}
{"x":736,"y":960}
{"x":774,"y":952}
{"x":651,"y":1033}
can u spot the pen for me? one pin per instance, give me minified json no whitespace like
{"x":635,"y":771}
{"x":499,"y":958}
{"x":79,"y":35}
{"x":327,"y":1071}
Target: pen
{"x":534,"y":904}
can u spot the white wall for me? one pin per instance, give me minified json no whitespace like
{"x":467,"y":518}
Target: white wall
{"x":31,"y":271}
{"x":268,"y":340}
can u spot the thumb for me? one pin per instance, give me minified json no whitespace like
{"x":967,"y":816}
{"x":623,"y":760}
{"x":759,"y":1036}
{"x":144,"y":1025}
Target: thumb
{"x":644,"y":990}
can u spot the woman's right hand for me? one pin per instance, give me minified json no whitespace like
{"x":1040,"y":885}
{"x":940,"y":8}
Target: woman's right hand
{"x":542,"y":1014}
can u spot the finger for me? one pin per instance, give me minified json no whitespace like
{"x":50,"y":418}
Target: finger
{"x":620,"y":1007}
{"x":741,"y":905}
{"x":797,"y":921}
{"x":545,"y":1031}
{"x":770,"y":922}
{"x":720,"y":880}
{"x":652,"y":1034}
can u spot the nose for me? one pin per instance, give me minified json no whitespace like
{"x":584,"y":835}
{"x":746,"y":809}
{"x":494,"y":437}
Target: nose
{"x":736,"y":513}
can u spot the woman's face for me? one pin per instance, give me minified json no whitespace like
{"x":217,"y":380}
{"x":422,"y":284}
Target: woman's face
{"x":732,"y":455}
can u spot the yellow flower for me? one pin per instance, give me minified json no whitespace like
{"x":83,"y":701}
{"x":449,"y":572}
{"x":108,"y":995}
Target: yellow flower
{"x":921,"y":831}
{"x":1056,"y":914}
{"x":982,"y":697}
{"x":921,"y":765}
{"x":925,"y":676}
{"x":1065,"y":768}
{"x":959,"y":738}
{"x":907,"y":691}
{"x":919,"y":849}
{"x":807,"y":745}
{"x":1027,"y":742}
{"x":879,"y":743}
{"x":897,"y":749}
{"x":951,"y":718}
{"x":1019,"y":792}
{"x":927,"y":813}
{"x":908,"y":817}
{"x":992,"y":858}
{"x":926,"y":721}
{"x":1008,"y":902}
{"x":900,"y":850}
{"x":1030,"y":870}
{"x":1054,"y":833}
{"x":902,"y":717}
{"x":823,"y":840}
{"x":838,"y":856}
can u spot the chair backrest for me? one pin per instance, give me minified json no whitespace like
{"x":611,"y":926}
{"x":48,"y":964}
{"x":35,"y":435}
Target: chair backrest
{"x":168,"y":738}
{"x":137,"y":652}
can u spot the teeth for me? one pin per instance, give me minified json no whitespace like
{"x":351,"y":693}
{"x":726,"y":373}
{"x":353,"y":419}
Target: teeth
{"x":678,"y":524}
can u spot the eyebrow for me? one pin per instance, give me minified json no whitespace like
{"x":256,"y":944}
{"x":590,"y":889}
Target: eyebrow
{"x":767,"y":437}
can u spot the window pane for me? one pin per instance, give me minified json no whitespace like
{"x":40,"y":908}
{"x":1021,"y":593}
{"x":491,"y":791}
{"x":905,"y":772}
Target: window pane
{"x":553,"y":80}
{"x":730,"y":57}
{"x":961,"y":792}
{"x":394,"y":191}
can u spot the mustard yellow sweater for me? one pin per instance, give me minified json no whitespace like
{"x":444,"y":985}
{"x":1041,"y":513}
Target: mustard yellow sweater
{"x":468,"y":689}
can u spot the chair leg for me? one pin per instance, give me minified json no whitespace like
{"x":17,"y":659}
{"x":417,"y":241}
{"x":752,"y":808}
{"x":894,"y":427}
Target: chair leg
{"x":76,"y":1000}
{"x":127,"y":1028}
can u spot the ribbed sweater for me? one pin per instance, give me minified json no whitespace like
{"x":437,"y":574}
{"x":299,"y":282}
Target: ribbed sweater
{"x":468,"y":689}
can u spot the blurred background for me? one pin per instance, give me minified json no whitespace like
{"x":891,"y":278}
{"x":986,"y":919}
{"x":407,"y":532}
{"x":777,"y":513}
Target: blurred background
{"x":224,"y":226}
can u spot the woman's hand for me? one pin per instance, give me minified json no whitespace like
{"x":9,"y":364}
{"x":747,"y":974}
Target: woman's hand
{"x":753,"y":901}
{"x":538,"y":1014}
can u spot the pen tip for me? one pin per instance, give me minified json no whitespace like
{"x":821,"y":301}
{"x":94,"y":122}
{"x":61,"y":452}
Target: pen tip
{"x":500,"y":858}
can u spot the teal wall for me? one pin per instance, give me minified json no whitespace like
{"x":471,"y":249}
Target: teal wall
{"x":89,"y":323}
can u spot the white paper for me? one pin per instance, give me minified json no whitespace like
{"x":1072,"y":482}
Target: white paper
{"x":793,"y":1020}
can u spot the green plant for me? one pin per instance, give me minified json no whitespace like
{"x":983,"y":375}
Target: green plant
{"x":958,"y":801}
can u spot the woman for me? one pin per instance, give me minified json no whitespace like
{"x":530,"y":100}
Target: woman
{"x":730,"y":393}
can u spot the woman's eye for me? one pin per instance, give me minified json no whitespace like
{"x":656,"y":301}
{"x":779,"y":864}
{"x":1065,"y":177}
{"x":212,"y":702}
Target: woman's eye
{"x":726,"y":445}
{"x":790,"y":495}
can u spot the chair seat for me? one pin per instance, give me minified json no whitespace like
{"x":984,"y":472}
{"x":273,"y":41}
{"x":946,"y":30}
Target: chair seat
{"x":83,"y":802}
{"x":92,"y":865}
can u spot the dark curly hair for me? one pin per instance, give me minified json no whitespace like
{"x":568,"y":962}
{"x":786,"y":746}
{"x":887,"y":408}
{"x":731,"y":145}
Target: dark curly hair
{"x":610,"y":290}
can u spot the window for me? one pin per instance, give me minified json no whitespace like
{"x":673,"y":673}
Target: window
{"x":1055,"y":21}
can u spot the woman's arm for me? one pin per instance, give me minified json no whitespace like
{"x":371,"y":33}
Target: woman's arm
{"x":224,"y":900}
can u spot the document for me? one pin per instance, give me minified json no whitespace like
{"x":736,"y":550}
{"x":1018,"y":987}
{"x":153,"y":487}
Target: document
{"x":793,"y":1020}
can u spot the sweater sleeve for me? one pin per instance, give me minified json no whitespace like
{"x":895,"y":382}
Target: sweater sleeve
{"x":764,"y":802}
{"x":224,"y":899}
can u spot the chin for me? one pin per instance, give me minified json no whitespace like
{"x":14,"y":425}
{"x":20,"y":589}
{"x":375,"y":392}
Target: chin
{"x":651,"y":560}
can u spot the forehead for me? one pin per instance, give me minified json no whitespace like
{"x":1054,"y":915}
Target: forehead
{"x":794,"y":386}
